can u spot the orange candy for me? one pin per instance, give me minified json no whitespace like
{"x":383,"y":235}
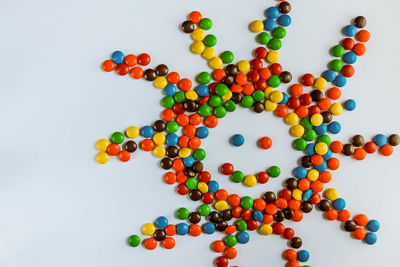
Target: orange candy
{"x":190,"y":130}
{"x":265,"y":73}
{"x":218,"y":246}
{"x":325,"y":177}
{"x":195,"y":119}
{"x":281,"y":203}
{"x":317,"y":159}
{"x":293,"y":264}
{"x":234,"y":200}
{"x":136,"y":72}
{"x":282,"y":111}
{"x":124,"y":156}
{"x":344,"y":215}
{"x":169,"y":243}
{"x":363,"y":36}
{"x":173,"y":77}
{"x":230,"y":229}
{"x":195,"y":142}
{"x":359,"y":153}
{"x":170,"y":230}
{"x":130,"y":60}
{"x":147,"y":145}
{"x":185,"y":84}
{"x":221,"y":194}
{"x":290,"y":254}
{"x":248,"y":89}
{"x":219,"y":74}
{"x":211,"y":121}
{"x":150,"y":243}
{"x":271,"y":209}
{"x":359,"y":233}
{"x":296,"y":89}
{"x":334,"y":93}
{"x":230,"y":253}
{"x":297,"y":215}
{"x":236,"y":88}
{"x":386,"y":150}
{"x":113,"y":149}
{"x":195,"y":17}
{"x":304,"y":184}
{"x":268,"y":219}
{"x":182,"y":119}
{"x":108,"y":65}
{"x":336,"y":147}
{"x":333,"y":164}
{"x":294,"y":204}
{"x":195,"y":230}
{"x":324,"y":104}
{"x":359,"y":49}
{"x":361,"y":220}
{"x":331,"y":214}
{"x":259,"y":204}
{"x":241,"y":78}
{"x":302,"y":111}
{"x":178,"y":165}
{"x":183,"y":141}
{"x":181,"y":177}
{"x":168,"y":114}
{"x":317,"y":186}
{"x":170,"y":178}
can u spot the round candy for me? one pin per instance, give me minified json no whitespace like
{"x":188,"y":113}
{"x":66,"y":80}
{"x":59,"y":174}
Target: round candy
{"x":371,"y":238}
{"x":256,"y":26}
{"x":303,"y":255}
{"x":148,"y":229}
{"x":331,"y":194}
{"x":117,"y":57}
{"x":134,"y":240}
{"x":182,"y":229}
{"x":272,"y":12}
{"x":339,"y":204}
{"x":265,"y":142}
{"x":237,"y":140}
{"x":350,"y":30}
{"x":161,"y":222}
{"x":274,"y":171}
{"x":244,"y":237}
{"x":284,"y":20}
{"x":102,"y":157}
{"x":380,"y":140}
{"x":208,"y":228}
{"x":117,"y":138}
{"x":102,"y":145}
{"x":206,"y":24}
{"x":373,"y":225}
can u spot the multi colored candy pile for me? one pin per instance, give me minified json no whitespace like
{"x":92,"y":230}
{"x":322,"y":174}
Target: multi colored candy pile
{"x":192,"y":110}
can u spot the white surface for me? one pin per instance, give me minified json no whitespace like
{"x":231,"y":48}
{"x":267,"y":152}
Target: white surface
{"x":60,"y":208}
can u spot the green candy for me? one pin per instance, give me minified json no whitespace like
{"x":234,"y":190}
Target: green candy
{"x":247,"y":202}
{"x":237,"y":176}
{"x":227,"y":57}
{"x":172,"y":127}
{"x":337,"y":51}
{"x":274,"y":81}
{"x":210,"y":40}
{"x":180,"y":97}
{"x":241,"y":225}
{"x":199,"y":154}
{"x":204,"y":110}
{"x":206,"y":24}
{"x":300,"y":144}
{"x":230,"y":105}
{"x":191,"y":183}
{"x":215,"y":101}
{"x":258,"y":95}
{"x":274,"y":171}
{"x":247,"y":101}
{"x":168,"y":102}
{"x":230,"y":241}
{"x":324,"y":139}
{"x":275,"y":44}
{"x":182,"y":213}
{"x":221,"y":89}
{"x":306,"y":123}
{"x":336,"y":65}
{"x":204,"y":210}
{"x":263,"y":38}
{"x":220,"y":111}
{"x":309,"y":135}
{"x":117,"y":138}
{"x":134,"y":241}
{"x":204,"y":77}
{"x":279,"y":32}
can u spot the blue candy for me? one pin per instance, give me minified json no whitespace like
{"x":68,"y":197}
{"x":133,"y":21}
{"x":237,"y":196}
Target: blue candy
{"x":284,"y":20}
{"x":285,"y":99}
{"x":182,"y":228}
{"x":307,"y":195}
{"x":350,"y":30}
{"x":117,"y":57}
{"x":350,"y":57}
{"x":303,"y":255}
{"x":272,"y":12}
{"x":380,"y":140}
{"x":322,"y":167}
{"x":269,"y":24}
{"x":202,"y":132}
{"x":339,"y":204}
{"x":321,"y":129}
{"x":329,"y":75}
{"x":172,"y":139}
{"x":350,"y":105}
{"x":257,"y":215}
{"x":202,"y":90}
{"x":300,"y":172}
{"x":310,"y":149}
{"x":147,"y":131}
{"x":334,"y":127}
{"x":243,"y":237}
{"x":170,"y":89}
{"x":189,"y":161}
{"x":161,"y":222}
{"x":371,"y":238}
{"x":373,"y":225}
{"x":328,"y":155}
{"x":213,"y":186}
{"x":340,"y":81}
{"x":208,"y":228}
{"x":237,"y":140}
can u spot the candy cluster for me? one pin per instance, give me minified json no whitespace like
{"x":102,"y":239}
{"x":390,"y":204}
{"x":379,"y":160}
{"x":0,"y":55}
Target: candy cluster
{"x":192,"y":110}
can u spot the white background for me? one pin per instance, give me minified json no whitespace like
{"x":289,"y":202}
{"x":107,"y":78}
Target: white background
{"x":58,"y":207}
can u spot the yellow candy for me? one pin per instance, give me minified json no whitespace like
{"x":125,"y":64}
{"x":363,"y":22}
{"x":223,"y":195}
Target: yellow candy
{"x":265,"y":229}
{"x":197,"y":47}
{"x":209,"y":53}
{"x":292,"y":118}
{"x":102,"y":157}
{"x":268,"y":91}
{"x":276,"y":96}
{"x":320,"y":83}
{"x":227,"y":96}
{"x":159,"y":151}
{"x":316,"y":119}
{"x":221,"y":205}
{"x":160,"y":82}
{"x":273,"y":56}
{"x":203,"y":187}
{"x":132,"y":132}
{"x":191,"y":95}
{"x":198,"y":34}
{"x":331,"y":194}
{"x":216,"y":63}
{"x":336,"y":109}
{"x":159,"y":138}
{"x":297,"y":130}
{"x":102,"y":144}
{"x":297,"y":194}
{"x":244,"y":66}
{"x":184,"y":152}
{"x":250,"y":180}
{"x":148,"y":229}
{"x":313,"y":175}
{"x":270,"y":106}
{"x":321,"y":148}
{"x":257,"y":26}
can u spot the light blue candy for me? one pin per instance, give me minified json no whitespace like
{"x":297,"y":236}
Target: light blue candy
{"x":213,"y":186}
{"x":321,"y":129}
{"x":334,"y":127}
{"x":170,"y":89}
{"x":350,"y":57}
{"x":189,"y":161}
{"x":147,"y":131}
{"x":380,"y":140}
{"x":371,"y":238}
{"x":285,"y":99}
{"x":310,"y":149}
{"x":322,"y":167}
{"x":329,"y":75}
{"x":161,"y":222}
{"x":257,"y":215}
{"x":172,"y":139}
{"x":117,"y":57}
{"x":269,"y":24}
{"x":237,"y":140}
{"x":340,"y":81}
{"x":243,"y":237}
{"x":339,"y":204}
{"x":307,"y":195}
{"x":202,"y":90}
{"x":272,"y":12}
{"x":202,"y":132}
{"x":303,"y":255}
{"x":182,"y":228}
{"x":284,"y":20}
{"x":300,"y":172}
{"x":373,"y":225}
{"x":350,"y":30}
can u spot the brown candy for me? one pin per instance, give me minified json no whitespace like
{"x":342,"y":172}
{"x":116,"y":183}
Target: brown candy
{"x":231,"y":69}
{"x":228,"y":80}
{"x":162,"y":70}
{"x":279,"y":216}
{"x":159,"y":235}
{"x":130,"y":146}
{"x":325,"y":205}
{"x":187,"y":26}
{"x":188,"y":172}
{"x":269,"y":197}
{"x":194,"y":217}
{"x":214,"y":217}
{"x":360,"y":22}
{"x":221,"y":226}
{"x":284,"y":7}
{"x":172,"y":151}
{"x":237,"y":97}
{"x":306,"y":162}
{"x":288,"y":213}
{"x":394,"y":140}
{"x":291,"y":183}
{"x":348,"y":150}
{"x":286,"y":77}
{"x":195,"y":194}
{"x":327,"y":116}
{"x":350,"y":226}
{"x":190,"y":105}
{"x":306,"y":207}
{"x":197,"y":167}
{"x":226,"y":215}
{"x":258,"y":107}
{"x":159,"y":126}
{"x":150,"y":75}
{"x":316,"y":95}
{"x":296,"y":242}
{"x":358,"y":140}
{"x":166,"y":163}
